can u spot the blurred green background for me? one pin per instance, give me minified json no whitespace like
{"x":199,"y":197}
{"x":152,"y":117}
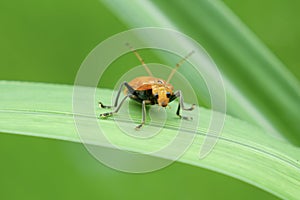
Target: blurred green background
{"x":46,"y":41}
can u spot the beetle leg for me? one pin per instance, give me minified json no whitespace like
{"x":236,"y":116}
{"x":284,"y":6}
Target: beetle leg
{"x":130,"y":91}
{"x":101,"y":105}
{"x":179,"y":115}
{"x":143,"y":116}
{"x":104,"y":115}
{"x":181,"y":105}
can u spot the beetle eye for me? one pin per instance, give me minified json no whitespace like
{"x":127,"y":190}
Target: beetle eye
{"x":168,"y":94}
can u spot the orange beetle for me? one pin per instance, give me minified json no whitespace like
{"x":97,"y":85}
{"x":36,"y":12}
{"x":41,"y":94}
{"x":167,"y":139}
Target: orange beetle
{"x":149,"y":90}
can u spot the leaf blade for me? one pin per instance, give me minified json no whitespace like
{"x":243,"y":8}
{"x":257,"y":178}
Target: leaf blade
{"x":243,"y":151}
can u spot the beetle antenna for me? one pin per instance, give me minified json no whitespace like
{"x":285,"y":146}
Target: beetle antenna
{"x":140,"y":59}
{"x":178,"y":65}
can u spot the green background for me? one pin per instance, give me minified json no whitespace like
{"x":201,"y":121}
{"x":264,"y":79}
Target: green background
{"x":46,"y":41}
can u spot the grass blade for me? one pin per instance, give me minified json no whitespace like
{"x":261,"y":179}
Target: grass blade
{"x":244,"y":151}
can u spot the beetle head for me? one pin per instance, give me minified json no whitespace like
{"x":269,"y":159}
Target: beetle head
{"x":162,"y":94}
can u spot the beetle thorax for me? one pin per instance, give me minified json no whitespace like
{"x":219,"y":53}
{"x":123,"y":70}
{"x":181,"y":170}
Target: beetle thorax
{"x":162,"y":93}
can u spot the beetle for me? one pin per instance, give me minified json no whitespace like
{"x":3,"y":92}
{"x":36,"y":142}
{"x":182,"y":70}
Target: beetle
{"x":149,"y":90}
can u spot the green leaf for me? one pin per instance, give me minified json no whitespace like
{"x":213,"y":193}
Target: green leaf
{"x":259,"y":88}
{"x":243,"y":151}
